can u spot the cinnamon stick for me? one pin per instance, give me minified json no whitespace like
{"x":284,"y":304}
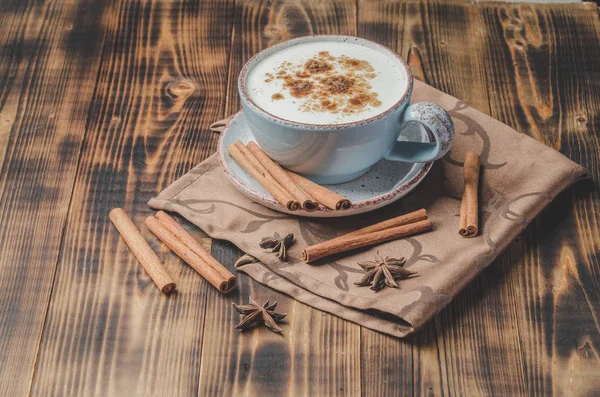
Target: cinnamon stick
{"x":258,"y":165}
{"x":260,"y":168}
{"x":254,"y":161}
{"x":411,"y":217}
{"x":223,"y":284}
{"x":281,"y":176}
{"x":321,"y":194}
{"x":462,"y":222}
{"x":344,"y":243}
{"x":469,"y":207}
{"x":283,"y":197}
{"x":178,"y":231}
{"x":142,"y":251}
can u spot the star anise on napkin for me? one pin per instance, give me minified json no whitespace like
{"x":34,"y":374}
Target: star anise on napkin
{"x":383,"y":272}
{"x":277,"y":244}
{"x":256,"y":313}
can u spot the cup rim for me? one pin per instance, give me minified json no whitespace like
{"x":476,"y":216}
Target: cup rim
{"x":280,"y":120}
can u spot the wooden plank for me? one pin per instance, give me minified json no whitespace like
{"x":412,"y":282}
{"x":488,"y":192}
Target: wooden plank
{"x":319,"y":354}
{"x":386,"y":362}
{"x":109,"y":331}
{"x":541,"y":296}
{"x":19,"y":33}
{"x":430,"y":27}
{"x":45,"y":94}
{"x":474,"y":349}
{"x":447,"y":35}
{"x":547,"y":84}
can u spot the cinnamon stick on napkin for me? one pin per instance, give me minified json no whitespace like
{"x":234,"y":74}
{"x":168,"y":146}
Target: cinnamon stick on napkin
{"x":402,"y":226}
{"x":181,"y":243}
{"x":469,"y":208}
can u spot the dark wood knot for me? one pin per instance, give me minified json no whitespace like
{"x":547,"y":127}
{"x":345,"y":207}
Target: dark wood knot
{"x":180,"y":89}
{"x":274,"y":33}
{"x":586,"y":351}
{"x":273,"y":30}
{"x":581,"y":119}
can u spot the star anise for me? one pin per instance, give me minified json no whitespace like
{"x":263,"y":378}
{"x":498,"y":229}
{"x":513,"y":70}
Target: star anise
{"x":256,"y":313}
{"x":277,"y":244}
{"x":383,"y":272}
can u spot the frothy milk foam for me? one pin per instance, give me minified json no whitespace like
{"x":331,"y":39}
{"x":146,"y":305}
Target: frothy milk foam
{"x":326,"y":82}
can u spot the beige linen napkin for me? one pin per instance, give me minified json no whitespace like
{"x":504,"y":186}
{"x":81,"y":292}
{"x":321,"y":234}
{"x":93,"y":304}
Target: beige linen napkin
{"x":519,"y":178}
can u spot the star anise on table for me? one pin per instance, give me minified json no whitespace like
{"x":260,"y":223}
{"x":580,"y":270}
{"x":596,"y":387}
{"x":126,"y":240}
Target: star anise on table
{"x":277,"y":244}
{"x":256,"y":313}
{"x":383,"y":272}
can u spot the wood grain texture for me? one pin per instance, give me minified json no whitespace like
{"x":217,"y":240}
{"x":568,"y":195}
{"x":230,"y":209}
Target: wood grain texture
{"x":387,"y":363}
{"x":481,"y":333}
{"x":448,"y":39}
{"x":20,"y":34}
{"x":447,"y":35}
{"x":109,"y":331}
{"x":319,"y":354}
{"x":546,"y":85}
{"x":45,"y":94}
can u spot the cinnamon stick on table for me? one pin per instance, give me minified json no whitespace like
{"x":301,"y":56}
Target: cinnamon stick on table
{"x":348,"y":243}
{"x":223,"y":284}
{"x":142,"y":251}
{"x":178,"y":231}
{"x":283,"y":197}
{"x":469,"y":208}
{"x":284,"y":179}
{"x":321,"y":194}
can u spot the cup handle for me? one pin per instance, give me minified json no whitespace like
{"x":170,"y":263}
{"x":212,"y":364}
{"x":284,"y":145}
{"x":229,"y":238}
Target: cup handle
{"x":440,"y":125}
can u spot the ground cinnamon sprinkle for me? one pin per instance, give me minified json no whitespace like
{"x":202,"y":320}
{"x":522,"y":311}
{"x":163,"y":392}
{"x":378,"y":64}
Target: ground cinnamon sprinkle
{"x":317,"y":66}
{"x":327,"y":104}
{"x":338,"y":84}
{"x":360,"y":100}
{"x":327,"y":88}
{"x":299,"y":88}
{"x":355,"y":64}
{"x":326,"y":55}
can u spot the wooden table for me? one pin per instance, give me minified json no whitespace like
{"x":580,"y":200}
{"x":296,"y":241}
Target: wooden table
{"x":104,"y":103}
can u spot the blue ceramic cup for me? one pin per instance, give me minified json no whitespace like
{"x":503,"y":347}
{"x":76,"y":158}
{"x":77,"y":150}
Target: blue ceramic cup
{"x":336,"y":153}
